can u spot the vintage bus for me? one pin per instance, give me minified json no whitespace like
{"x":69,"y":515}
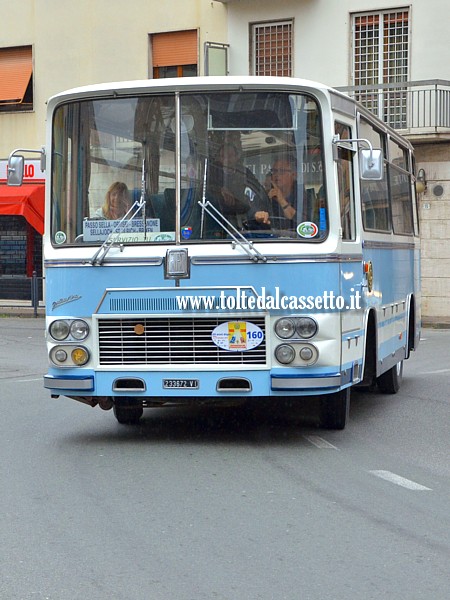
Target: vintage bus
{"x":263,"y":243}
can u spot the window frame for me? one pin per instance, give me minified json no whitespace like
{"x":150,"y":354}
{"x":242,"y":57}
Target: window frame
{"x":284,"y":70}
{"x":390,"y":104}
{"x":16,"y":67}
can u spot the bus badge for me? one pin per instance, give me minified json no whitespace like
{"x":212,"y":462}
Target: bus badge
{"x":307,"y":229}
{"x":186,"y":233}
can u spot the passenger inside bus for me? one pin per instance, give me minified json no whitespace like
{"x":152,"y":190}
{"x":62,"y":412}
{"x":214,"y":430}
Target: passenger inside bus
{"x":283,"y":192}
{"x":240,"y":196}
{"x":117,"y":202}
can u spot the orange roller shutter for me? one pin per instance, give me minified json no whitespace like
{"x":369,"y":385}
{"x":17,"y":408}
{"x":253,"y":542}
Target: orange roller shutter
{"x":16,"y":68}
{"x":174,"y":48}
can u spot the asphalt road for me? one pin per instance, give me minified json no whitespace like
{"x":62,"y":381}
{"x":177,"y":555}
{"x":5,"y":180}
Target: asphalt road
{"x":223,"y":504}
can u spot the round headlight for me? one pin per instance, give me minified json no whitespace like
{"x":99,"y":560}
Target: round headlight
{"x":306,"y":327}
{"x":79,"y":329}
{"x":59,"y":330}
{"x":80,"y":356}
{"x":306,"y":353}
{"x":284,"y":354}
{"x":285,"y":328}
{"x":61,"y":355}
{"x":58,"y":355}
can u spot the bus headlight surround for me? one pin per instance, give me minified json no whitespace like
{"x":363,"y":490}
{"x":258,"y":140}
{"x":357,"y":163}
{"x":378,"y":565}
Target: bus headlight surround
{"x":79,"y":329}
{"x":284,"y":354}
{"x":306,"y":327}
{"x":59,"y":330}
{"x":79,"y":356}
{"x":285,"y":328}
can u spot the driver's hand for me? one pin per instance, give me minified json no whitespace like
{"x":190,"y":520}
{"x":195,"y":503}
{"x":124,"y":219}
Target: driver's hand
{"x":263,"y":217}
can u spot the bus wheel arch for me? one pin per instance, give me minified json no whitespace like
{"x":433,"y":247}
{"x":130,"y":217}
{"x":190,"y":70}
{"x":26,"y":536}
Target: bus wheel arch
{"x":369,"y":367}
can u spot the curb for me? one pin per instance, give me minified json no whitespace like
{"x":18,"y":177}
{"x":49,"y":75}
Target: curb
{"x":22,"y":311}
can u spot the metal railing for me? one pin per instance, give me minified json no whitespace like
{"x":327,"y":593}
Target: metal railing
{"x":30,"y":298}
{"x":415,"y":107}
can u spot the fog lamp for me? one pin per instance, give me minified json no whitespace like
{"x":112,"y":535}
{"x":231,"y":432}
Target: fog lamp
{"x":80,"y":356}
{"x":306,"y":353}
{"x":60,"y":355}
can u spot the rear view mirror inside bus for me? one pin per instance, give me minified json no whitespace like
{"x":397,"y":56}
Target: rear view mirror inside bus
{"x":371,"y":164}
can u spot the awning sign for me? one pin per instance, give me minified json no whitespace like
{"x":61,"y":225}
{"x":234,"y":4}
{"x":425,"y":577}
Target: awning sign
{"x":31,"y":170}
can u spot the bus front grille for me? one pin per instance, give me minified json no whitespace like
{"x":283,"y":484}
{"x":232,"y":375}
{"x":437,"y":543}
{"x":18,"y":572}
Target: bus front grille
{"x":171,"y":341}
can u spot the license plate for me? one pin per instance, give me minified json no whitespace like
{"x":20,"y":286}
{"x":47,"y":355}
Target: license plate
{"x":191,"y":384}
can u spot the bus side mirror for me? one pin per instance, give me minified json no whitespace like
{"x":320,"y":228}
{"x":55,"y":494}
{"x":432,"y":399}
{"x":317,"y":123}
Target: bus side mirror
{"x":371,"y":164}
{"x":15,"y":170}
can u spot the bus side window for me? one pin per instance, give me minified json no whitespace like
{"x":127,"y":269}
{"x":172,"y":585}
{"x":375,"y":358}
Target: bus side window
{"x":345,"y":184}
{"x":376,"y":213}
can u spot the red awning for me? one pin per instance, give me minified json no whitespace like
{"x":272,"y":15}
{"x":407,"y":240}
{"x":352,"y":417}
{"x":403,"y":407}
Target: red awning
{"x":27,"y":201}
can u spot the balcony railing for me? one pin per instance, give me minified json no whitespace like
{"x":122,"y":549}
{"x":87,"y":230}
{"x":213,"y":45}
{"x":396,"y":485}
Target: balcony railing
{"x":415,"y":107}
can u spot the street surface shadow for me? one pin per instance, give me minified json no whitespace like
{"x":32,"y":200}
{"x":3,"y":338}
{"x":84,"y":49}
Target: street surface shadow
{"x":274,"y":421}
{"x":255,"y":422}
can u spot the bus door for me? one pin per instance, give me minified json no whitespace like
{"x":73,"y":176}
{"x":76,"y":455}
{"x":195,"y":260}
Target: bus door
{"x":352,"y":281}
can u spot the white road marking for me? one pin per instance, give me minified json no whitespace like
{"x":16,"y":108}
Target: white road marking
{"x":26,"y":380}
{"x":319,"y":442}
{"x":406,"y":483}
{"x":438,"y":372}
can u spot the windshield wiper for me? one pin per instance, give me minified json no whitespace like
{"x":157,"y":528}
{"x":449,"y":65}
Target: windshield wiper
{"x":114,"y":235}
{"x":226,"y":225}
{"x":231,"y":230}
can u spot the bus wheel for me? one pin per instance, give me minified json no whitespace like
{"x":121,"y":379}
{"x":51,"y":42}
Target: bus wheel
{"x":128,"y":411}
{"x":334,"y":409}
{"x":389,"y":382}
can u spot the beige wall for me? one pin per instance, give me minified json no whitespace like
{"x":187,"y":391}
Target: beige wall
{"x":323,"y":33}
{"x":91,"y":41}
{"x":435,"y":231}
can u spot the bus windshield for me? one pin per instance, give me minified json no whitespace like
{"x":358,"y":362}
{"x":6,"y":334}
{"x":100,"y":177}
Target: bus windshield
{"x":189,"y":167}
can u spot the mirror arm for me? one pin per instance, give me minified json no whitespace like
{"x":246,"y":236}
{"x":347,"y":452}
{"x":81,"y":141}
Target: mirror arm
{"x":337,"y":140}
{"x":13,"y":154}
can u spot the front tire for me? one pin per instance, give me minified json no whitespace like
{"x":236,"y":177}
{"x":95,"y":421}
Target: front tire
{"x":335,"y":409}
{"x":128,"y":411}
{"x":389,"y":382}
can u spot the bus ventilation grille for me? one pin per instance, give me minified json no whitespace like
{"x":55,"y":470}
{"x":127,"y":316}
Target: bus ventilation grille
{"x":171,"y":341}
{"x":136,"y":305}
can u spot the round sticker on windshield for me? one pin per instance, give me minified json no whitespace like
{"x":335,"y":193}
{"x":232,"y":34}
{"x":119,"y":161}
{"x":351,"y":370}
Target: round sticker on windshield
{"x":307,"y":229}
{"x":60,"y":237}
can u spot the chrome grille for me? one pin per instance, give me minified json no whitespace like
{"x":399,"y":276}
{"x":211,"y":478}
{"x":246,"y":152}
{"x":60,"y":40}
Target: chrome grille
{"x":171,"y":341}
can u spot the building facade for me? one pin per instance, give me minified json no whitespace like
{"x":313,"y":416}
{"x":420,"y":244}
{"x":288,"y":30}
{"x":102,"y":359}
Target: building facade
{"x":378,"y":51}
{"x":395,"y":58}
{"x":47,"y":46}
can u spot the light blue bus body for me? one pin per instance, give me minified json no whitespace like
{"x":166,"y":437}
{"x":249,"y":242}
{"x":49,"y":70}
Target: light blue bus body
{"x":319,"y":305}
